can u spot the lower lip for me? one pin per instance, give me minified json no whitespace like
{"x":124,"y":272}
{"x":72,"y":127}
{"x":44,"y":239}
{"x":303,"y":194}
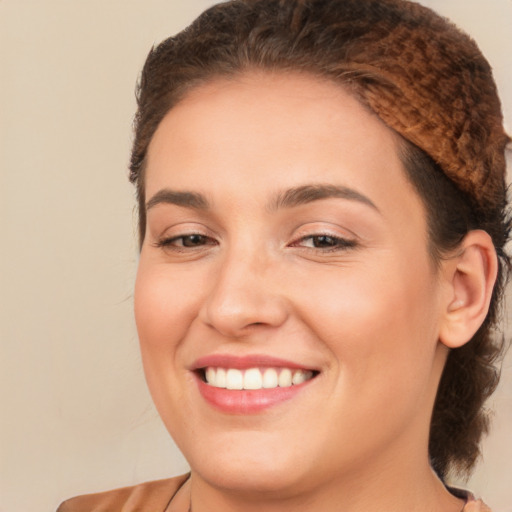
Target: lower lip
{"x":247,"y":401}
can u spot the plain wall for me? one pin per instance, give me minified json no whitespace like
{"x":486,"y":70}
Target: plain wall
{"x":75,"y":413}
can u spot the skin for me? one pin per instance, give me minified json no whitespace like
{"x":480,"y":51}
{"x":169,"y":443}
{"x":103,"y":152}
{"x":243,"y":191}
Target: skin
{"x":368,"y":314}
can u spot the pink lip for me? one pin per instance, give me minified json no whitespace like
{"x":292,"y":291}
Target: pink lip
{"x":245,"y":401}
{"x":244,"y":362}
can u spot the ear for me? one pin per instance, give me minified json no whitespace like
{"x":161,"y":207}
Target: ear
{"x":470,"y":274}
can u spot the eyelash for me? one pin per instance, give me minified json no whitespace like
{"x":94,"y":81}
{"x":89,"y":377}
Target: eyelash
{"x":169,"y":242}
{"x":334,"y":243}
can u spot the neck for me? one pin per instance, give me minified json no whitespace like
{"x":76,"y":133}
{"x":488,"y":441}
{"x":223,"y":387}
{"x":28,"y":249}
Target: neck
{"x":413,"y":489}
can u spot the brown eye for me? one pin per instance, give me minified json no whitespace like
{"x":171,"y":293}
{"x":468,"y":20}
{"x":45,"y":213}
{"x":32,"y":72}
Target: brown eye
{"x":325,"y":242}
{"x":193,"y":240}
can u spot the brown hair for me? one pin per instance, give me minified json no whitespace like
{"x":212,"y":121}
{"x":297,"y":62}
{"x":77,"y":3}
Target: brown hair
{"x":427,"y":81}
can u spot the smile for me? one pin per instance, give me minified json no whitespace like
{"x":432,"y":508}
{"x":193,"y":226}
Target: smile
{"x":255,"y":378}
{"x":250,"y":384}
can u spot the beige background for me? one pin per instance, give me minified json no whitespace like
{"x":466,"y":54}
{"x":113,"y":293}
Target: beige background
{"x":75,"y":413}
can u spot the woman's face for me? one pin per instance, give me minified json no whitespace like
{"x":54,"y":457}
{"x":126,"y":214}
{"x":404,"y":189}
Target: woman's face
{"x":286,"y":253}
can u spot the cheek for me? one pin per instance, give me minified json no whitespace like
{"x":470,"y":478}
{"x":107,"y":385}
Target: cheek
{"x":165,"y":303}
{"x":379,"y":323}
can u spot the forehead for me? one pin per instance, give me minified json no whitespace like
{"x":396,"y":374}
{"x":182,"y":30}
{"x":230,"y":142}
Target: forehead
{"x":261,"y":130}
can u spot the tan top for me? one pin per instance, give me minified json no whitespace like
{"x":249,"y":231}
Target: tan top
{"x":163,"y":496}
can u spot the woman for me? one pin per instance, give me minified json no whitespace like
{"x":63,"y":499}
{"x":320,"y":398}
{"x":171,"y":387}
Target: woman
{"x":323,"y":216}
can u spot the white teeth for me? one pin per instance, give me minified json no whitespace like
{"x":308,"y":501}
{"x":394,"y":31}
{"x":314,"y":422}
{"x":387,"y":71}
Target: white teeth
{"x":255,"y":378}
{"x":270,"y":378}
{"x":298,"y":377}
{"x":220,"y":378}
{"x":234,"y":379}
{"x":285,"y":378}
{"x":210,"y":375}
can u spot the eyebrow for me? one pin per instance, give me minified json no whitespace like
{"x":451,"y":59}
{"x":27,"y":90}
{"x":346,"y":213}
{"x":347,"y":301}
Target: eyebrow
{"x":289,"y":198}
{"x":186,"y":199}
{"x":309,"y":193}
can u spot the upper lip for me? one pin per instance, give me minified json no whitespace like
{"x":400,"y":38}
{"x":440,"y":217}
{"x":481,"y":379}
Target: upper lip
{"x":245,"y":362}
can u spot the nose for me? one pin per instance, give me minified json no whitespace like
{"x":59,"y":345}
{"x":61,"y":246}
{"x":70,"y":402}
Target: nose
{"x":244,"y":294}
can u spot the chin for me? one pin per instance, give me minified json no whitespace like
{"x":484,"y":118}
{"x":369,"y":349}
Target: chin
{"x":248,"y":479}
{"x":242,"y":464}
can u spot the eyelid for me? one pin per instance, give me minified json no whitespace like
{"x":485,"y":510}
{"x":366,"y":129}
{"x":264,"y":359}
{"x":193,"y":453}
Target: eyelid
{"x":167,"y":241}
{"x":323,"y":229}
{"x":347,"y":239}
{"x":343,"y":243}
{"x":183,"y":230}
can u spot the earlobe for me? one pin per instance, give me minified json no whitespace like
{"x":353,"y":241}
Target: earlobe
{"x":471,"y":274}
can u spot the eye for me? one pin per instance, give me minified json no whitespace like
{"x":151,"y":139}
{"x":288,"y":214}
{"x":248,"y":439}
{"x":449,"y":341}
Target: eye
{"x":192,"y":240}
{"x":325,"y":242}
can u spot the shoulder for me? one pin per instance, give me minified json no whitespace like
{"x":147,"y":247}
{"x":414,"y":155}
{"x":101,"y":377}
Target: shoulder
{"x":476,"y":506}
{"x":147,"y":497}
{"x":472,"y":504}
